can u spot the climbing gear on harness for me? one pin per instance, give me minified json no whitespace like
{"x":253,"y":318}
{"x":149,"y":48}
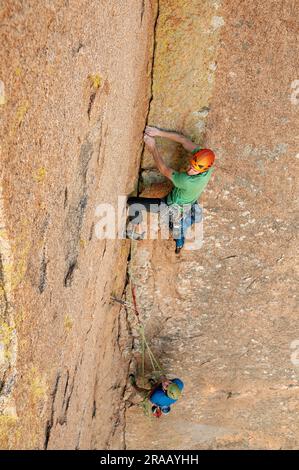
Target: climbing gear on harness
{"x":179,"y":218}
{"x":202,"y":160}
{"x":172,"y":215}
{"x":179,"y":214}
{"x":173,"y":391}
{"x":175,"y":215}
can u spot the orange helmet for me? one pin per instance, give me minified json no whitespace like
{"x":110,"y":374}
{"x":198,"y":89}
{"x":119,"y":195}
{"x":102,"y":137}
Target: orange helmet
{"x":202,"y":160}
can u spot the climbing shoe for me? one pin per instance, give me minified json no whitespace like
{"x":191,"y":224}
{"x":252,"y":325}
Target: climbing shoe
{"x":132,"y":379}
{"x":178,"y":250}
{"x":156,"y":410}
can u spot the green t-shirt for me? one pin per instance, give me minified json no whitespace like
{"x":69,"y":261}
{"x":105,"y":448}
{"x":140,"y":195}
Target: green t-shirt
{"x":187,"y":189}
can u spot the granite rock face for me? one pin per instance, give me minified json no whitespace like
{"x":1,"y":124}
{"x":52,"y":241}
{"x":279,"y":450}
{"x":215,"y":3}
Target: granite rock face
{"x":76,"y":82}
{"x":79,"y":82}
{"x":224,"y":318}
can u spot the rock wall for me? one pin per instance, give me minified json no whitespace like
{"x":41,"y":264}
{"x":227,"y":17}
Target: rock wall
{"x":223,"y":318}
{"x":77,"y":80}
{"x":75,"y":89}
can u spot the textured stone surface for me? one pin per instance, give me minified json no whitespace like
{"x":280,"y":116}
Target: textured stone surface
{"x":224,"y":318}
{"x":187,"y":40}
{"x":74,"y":96}
{"x":76,"y":85}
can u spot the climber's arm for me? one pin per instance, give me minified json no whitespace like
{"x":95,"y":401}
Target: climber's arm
{"x":162,"y":167}
{"x":181,"y":139}
{"x":175,"y":136}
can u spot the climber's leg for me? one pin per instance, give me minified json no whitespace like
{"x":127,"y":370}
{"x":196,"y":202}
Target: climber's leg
{"x":137,"y":204}
{"x":187,"y":221}
{"x":135,"y":207}
{"x":179,"y":243}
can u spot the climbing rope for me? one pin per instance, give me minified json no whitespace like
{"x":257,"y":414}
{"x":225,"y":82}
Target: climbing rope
{"x":157,"y":370}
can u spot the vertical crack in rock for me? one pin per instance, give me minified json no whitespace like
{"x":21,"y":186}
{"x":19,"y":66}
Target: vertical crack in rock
{"x":104,"y":250}
{"x":101,"y":137}
{"x":8,"y":334}
{"x":130,"y":334}
{"x":69,"y":275}
{"x":118,"y":418}
{"x":152,"y":62}
{"x":91,"y":101}
{"x":43,"y":272}
{"x":142,"y":10}
{"x":67,"y":397}
{"x":94,"y":409}
{"x":153,"y":56}
{"x":77,"y":446}
{"x":50,"y":422}
{"x":86,"y":167}
{"x":76,"y":213}
{"x":4,"y":300}
{"x":65,"y":198}
{"x":91,"y":231}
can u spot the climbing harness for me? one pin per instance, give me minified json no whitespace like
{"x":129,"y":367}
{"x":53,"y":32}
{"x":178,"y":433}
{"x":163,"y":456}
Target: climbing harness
{"x":173,"y":215}
{"x":177,"y":215}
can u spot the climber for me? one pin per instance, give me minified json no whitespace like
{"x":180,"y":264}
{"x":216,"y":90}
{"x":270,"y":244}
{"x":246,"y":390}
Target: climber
{"x":188,"y":186}
{"x":162,"y":393}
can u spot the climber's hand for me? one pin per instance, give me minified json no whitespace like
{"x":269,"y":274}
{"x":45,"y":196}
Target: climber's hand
{"x":149,"y":141}
{"x":153,"y":131}
{"x":165,"y":384}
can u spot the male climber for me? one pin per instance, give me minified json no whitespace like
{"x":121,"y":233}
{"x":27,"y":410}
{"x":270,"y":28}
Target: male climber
{"x":162,"y":395}
{"x":188,"y":185}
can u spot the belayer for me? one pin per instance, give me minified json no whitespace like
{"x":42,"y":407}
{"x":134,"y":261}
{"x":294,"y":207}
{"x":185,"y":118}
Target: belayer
{"x":162,"y":393}
{"x":181,"y":203}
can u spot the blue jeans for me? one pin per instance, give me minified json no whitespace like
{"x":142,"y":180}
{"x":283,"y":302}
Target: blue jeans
{"x":189,"y":218}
